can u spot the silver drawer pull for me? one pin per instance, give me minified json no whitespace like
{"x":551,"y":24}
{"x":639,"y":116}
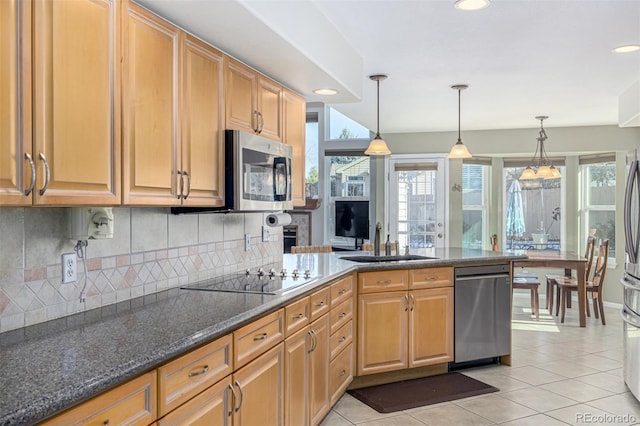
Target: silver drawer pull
{"x":260,"y":337}
{"x":342,"y":315}
{"x":199,"y":372}
{"x":321,"y":303}
{"x":106,"y":422}
{"x":342,"y":373}
{"x":383,"y":282}
{"x":298,"y":316}
{"x":343,"y":291}
{"x":342,"y":339}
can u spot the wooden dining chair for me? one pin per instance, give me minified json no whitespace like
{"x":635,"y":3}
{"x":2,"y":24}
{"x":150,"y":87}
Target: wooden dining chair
{"x":552,"y":279}
{"x":311,"y":249}
{"x":523,"y":281}
{"x":594,"y":287}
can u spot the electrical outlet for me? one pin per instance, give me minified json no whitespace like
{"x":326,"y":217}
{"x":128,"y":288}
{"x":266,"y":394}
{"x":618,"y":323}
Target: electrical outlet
{"x":69,"y":271}
{"x":265,"y":234}
{"x":247,"y":242}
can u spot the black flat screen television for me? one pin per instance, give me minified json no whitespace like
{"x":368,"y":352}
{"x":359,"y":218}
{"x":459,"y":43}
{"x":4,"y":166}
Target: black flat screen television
{"x":352,"y":219}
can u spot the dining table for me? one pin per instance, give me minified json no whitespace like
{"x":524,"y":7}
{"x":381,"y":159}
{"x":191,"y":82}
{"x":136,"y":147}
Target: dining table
{"x":561,"y":259}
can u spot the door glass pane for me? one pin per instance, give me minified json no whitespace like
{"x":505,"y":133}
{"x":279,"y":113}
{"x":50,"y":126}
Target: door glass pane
{"x":416,"y":208}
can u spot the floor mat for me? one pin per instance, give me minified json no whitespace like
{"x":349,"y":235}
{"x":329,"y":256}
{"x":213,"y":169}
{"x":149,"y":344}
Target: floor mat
{"x":419,"y":392}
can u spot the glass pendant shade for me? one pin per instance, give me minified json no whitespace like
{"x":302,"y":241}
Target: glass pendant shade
{"x":528,"y":174}
{"x":555,"y":173}
{"x":544,"y":172}
{"x":459,"y":150}
{"x":377,"y":146}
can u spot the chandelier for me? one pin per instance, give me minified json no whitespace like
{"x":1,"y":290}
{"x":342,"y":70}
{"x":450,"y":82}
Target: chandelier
{"x":544,"y":167}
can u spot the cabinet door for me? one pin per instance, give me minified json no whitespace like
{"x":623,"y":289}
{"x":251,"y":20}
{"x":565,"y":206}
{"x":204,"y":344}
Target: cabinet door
{"x":430,"y":326}
{"x":382,"y":332}
{"x":150,"y":92}
{"x":296,"y":378}
{"x":241,"y":96}
{"x":202,"y":124}
{"x":259,"y":385}
{"x":294,"y":135}
{"x":210,"y":408}
{"x":15,"y":103}
{"x":269,"y":109}
{"x":76,"y":102}
{"x":319,"y":370}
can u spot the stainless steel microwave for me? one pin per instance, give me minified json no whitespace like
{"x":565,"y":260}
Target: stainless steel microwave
{"x":257,"y":173}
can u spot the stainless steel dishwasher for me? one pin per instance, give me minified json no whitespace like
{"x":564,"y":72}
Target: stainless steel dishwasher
{"x":482,"y":312}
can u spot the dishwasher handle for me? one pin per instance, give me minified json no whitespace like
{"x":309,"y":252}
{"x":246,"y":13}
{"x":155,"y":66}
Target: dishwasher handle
{"x":479,"y":277}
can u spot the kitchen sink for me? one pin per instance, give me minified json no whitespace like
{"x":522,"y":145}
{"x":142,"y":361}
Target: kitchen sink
{"x":396,"y":258}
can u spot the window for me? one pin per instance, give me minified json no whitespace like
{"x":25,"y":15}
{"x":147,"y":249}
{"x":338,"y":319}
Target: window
{"x":475,"y":200}
{"x":532,"y":210}
{"x":342,"y":127}
{"x":311,"y":156}
{"x":599,"y":200}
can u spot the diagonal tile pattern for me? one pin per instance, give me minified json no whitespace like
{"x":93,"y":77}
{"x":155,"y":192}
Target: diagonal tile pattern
{"x":561,"y":375}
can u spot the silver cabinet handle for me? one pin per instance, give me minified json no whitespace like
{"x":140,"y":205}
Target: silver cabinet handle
{"x":406,"y":301}
{"x":342,"y":315}
{"x":181,"y":191}
{"x":260,"y":122}
{"x":106,"y":422}
{"x":413,"y":302}
{"x":314,"y":341}
{"x":47,"y":174}
{"x":27,"y":191}
{"x":199,"y":372}
{"x":310,"y":334}
{"x":343,"y":291}
{"x":342,"y":373}
{"x":320,"y":303}
{"x":342,"y":339}
{"x":260,"y":337}
{"x":233,"y":400}
{"x":241,"y":396}
{"x":383,"y":282}
{"x":185,"y":196}
{"x":256,"y":128}
{"x":299,"y":316}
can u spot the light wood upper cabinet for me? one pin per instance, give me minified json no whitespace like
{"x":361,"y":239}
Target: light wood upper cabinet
{"x":294,"y":135}
{"x":15,"y":103}
{"x":150,"y":102}
{"x":76,"y":102}
{"x":253,"y":102}
{"x":202,"y":122}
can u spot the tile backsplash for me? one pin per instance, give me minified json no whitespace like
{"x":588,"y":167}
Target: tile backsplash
{"x":152,"y":250}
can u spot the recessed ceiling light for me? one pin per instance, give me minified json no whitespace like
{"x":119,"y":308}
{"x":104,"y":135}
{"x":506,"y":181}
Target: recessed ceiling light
{"x":325,"y":92}
{"x":471,"y":4}
{"x":627,"y":48}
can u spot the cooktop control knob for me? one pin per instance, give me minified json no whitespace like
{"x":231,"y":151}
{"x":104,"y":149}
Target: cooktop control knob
{"x":247,"y":272}
{"x":261,"y":272}
{"x":272,"y":273}
{"x":283,"y":273}
{"x":307,"y":273}
{"x":295,"y":274}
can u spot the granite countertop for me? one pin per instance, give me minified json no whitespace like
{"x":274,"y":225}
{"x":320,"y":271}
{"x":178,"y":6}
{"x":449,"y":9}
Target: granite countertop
{"x":49,"y":367}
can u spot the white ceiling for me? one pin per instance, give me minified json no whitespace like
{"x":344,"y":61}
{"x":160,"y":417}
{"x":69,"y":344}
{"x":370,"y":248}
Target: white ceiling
{"x":520,"y":58}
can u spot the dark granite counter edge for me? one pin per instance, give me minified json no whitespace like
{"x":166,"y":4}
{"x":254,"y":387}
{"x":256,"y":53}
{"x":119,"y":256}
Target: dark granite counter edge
{"x":50,"y":405}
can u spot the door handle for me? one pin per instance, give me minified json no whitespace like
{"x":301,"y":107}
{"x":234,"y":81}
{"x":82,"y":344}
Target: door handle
{"x":185,"y":196}
{"x":234,"y":398}
{"x":241,"y":397}
{"x":27,"y":156}
{"x":47,"y":174}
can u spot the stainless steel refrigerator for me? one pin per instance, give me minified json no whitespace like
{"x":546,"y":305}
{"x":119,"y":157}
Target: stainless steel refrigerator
{"x":631,"y":279}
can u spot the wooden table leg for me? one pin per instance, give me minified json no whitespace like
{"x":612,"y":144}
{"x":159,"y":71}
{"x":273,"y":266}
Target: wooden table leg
{"x":582,"y":294}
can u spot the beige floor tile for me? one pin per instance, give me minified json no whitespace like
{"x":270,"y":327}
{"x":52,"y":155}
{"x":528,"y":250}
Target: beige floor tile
{"x":579,"y":414}
{"x":576,"y":390}
{"x":500,"y":381}
{"x":496,"y":408}
{"x":607,"y":381}
{"x":598,"y":362}
{"x":449,"y":415}
{"x":538,"y":399}
{"x":537,"y":420}
{"x":357,"y":412}
{"x":534,"y":376}
{"x":398,"y":420}
{"x":615,"y":354}
{"x":621,"y":404}
{"x":567,"y":368}
{"x":335,"y":419}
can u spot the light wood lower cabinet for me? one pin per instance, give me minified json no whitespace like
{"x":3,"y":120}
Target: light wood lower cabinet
{"x":318,"y":370}
{"x":430,"y":326}
{"x":133,"y":403}
{"x":210,"y":408}
{"x":340,"y":373}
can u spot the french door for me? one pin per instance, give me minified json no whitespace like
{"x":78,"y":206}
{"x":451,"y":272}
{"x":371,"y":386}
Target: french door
{"x":418,"y":201}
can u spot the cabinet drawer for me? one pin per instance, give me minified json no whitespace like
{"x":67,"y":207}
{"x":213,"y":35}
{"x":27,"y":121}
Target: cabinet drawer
{"x":341,"y":314}
{"x":296,"y":316}
{"x":187,"y":376}
{"x":431,"y":277}
{"x":340,"y":339}
{"x":133,"y":402}
{"x":255,"y":338}
{"x":373,"y":282}
{"x":211,"y":407}
{"x":320,"y":303}
{"x":341,"y":290}
{"x":340,"y":373}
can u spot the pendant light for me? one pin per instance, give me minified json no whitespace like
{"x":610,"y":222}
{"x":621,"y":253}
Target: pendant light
{"x":544,"y":167}
{"x":459,"y":150}
{"x":378,"y":146}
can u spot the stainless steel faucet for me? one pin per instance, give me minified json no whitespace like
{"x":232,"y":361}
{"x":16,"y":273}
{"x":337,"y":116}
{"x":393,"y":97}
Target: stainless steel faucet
{"x":376,"y":240}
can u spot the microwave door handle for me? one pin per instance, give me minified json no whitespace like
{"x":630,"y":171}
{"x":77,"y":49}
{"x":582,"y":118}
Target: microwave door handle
{"x":628,"y":198}
{"x":278,"y":161}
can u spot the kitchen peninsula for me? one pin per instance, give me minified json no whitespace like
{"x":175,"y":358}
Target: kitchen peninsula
{"x":50,"y":367}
